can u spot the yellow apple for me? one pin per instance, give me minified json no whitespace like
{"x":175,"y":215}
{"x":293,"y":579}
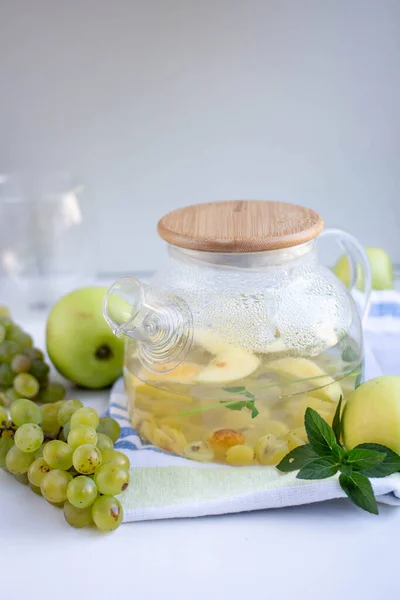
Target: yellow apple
{"x":381,"y":269}
{"x":372,"y":414}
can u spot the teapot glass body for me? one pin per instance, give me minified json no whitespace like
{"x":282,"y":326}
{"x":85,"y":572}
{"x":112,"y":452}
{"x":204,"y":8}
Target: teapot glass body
{"x":225,"y":351}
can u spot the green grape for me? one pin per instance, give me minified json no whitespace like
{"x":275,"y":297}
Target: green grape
{"x":3,"y":333}
{"x":77,"y":517}
{"x":35,"y":489}
{"x":86,"y":459}
{"x":6,"y":322}
{"x":58,"y":455}
{"x":3,"y":417}
{"x":57,"y":504}
{"x":82,"y":491}
{"x":39,"y":451}
{"x":25,"y":411}
{"x":104,"y":442}
{"x":12,"y":395}
{"x":38,"y":469}
{"x":107,"y":513}
{"x":27,"y":385}
{"x":29,"y":437}
{"x":240,"y":455}
{"x":67,"y":410}
{"x":24,"y":340}
{"x":34,"y":353}
{"x":8,"y":349}
{"x":115,"y":458}
{"x":85,"y":416}
{"x":63,"y":435}
{"x":40,"y":370}
{"x":67,"y":429}
{"x":50,"y":424}
{"x":23,"y":478}
{"x":83,"y":434}
{"x":5,"y":445}
{"x":111,"y":480}
{"x":52,"y":393}
{"x":18,"y":462}
{"x":54,"y":486}
{"x":10,"y":431}
{"x":110,"y":427}
{"x":4,"y":401}
{"x":6,"y":375}
{"x":21,"y":363}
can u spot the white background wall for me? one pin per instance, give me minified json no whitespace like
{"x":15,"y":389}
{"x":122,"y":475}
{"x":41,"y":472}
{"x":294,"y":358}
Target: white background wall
{"x":161,"y":103}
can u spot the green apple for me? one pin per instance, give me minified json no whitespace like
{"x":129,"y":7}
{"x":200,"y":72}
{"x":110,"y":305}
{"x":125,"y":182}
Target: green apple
{"x":372,"y":414}
{"x":381,"y":269}
{"x":79,"y":342}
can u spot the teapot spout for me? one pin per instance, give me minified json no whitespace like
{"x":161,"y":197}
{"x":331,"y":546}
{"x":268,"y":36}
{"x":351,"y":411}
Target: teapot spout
{"x":160,"y":322}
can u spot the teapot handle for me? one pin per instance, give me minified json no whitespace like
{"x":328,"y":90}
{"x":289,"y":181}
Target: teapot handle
{"x":356,"y":255}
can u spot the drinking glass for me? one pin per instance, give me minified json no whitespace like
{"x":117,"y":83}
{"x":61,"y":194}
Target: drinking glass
{"x":42,"y":250}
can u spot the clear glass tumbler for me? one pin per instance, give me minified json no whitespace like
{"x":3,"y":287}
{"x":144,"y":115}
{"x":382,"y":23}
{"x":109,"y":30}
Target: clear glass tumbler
{"x":41,"y":239}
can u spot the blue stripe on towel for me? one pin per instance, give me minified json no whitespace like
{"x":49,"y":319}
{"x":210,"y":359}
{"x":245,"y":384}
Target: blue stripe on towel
{"x":385,"y":309}
{"x":127,"y":431}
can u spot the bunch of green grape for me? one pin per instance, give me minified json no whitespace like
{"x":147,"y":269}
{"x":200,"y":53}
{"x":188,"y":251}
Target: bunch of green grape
{"x":23,"y":371}
{"x":65,"y":453}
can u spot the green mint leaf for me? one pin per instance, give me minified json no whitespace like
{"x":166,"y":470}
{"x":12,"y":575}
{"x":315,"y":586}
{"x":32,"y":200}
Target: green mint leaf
{"x":319,"y":433}
{"x":235,"y":390}
{"x":338,"y":453}
{"x":320,"y":468}
{"x":249,"y":395}
{"x":361,"y":459}
{"x":243,"y":404}
{"x":359,"y":489}
{"x":346,"y":469}
{"x":349,"y":355}
{"x":254,"y":412}
{"x":296,"y":459}
{"x":336,"y":423}
{"x":390,"y":464}
{"x":236,"y":405}
{"x":251,"y":406}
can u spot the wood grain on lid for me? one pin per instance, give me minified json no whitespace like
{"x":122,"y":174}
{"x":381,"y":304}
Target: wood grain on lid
{"x":240,"y":226}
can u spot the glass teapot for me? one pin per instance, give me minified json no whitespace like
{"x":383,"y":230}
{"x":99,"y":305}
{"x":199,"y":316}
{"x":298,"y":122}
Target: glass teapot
{"x":241,"y":331}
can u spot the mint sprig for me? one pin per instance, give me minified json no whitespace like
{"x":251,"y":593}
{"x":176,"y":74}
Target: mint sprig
{"x":324,"y":456}
{"x":249,"y":403}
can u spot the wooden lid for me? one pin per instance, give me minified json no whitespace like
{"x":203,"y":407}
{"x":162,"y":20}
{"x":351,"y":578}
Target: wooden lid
{"x":240,"y":226}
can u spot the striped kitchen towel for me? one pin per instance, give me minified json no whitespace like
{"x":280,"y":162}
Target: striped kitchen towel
{"x":166,"y":486}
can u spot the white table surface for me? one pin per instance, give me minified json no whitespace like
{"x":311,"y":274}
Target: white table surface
{"x":327,"y":551}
